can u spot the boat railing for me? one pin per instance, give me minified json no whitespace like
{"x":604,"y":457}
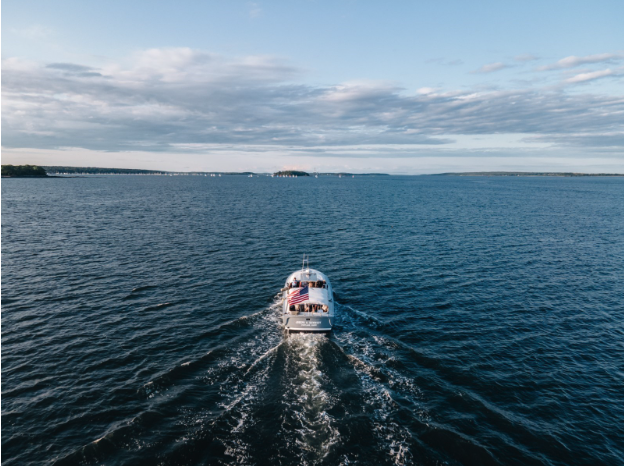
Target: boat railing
{"x":307,"y":309}
{"x":303,"y":284}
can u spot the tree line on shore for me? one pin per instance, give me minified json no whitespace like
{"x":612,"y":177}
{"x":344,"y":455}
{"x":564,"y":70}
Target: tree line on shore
{"x":291,"y":173}
{"x":38,"y":171}
{"x":23,"y":170}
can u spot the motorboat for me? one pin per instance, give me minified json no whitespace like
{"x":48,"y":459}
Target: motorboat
{"x":307,"y":301}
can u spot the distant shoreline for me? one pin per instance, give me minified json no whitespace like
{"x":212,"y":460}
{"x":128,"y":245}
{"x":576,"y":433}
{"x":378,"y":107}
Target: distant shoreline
{"x":65,"y":171}
{"x":561,"y":174}
{"x":23,"y":171}
{"x":62,"y":170}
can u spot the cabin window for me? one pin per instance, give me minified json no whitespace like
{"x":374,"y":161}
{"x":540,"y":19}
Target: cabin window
{"x":314,"y":308}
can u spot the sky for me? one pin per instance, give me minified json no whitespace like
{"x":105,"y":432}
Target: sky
{"x":394,"y":87}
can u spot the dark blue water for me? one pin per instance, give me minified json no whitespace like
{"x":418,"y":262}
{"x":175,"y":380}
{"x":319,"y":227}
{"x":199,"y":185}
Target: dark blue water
{"x":480,"y":321}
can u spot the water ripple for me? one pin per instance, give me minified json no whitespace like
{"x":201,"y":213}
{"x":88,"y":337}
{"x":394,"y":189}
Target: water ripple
{"x":479,"y":321}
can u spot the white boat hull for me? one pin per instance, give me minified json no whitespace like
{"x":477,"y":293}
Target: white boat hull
{"x":304,"y":323}
{"x":320,"y":319}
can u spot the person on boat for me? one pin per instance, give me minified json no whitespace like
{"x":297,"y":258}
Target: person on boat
{"x":325,"y":308}
{"x":295,"y":283}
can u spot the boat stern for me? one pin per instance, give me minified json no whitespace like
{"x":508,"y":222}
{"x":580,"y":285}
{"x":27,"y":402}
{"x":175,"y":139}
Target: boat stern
{"x":307,"y":323}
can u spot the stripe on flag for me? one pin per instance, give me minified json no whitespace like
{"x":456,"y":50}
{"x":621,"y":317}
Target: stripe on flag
{"x":298,"y":296}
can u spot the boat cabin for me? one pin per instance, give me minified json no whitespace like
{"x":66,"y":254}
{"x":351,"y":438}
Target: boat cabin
{"x":307,"y":300}
{"x":309,"y":292}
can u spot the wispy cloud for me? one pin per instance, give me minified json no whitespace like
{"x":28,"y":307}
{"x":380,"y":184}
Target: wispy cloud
{"x":254,"y":10}
{"x":490,"y":68}
{"x":172,"y":98}
{"x":584,"y":77}
{"x":446,"y":62}
{"x":525,"y":57}
{"x":573,"y":61}
{"x":33,"y":32}
{"x":588,"y":140}
{"x":73,"y":69}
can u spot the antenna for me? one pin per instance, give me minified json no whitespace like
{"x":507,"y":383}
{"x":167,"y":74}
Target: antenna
{"x":305,"y":259}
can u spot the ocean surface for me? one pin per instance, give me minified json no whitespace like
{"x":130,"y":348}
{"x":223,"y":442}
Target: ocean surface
{"x":480,"y":321}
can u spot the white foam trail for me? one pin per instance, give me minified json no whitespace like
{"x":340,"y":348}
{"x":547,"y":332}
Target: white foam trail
{"x":365,"y":354}
{"x":240,"y":376}
{"x":262,"y":357}
{"x":362,"y":315}
{"x":242,"y":387}
{"x":307,"y":401}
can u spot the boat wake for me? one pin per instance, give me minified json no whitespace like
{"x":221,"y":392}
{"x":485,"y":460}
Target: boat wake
{"x":270,"y":398}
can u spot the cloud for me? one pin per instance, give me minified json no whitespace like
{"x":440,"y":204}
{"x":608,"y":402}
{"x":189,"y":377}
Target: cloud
{"x":72,"y":69}
{"x":254,"y":10}
{"x":35,"y":32}
{"x":490,"y":68}
{"x":584,"y":77}
{"x":174,"y":99}
{"x":442,"y":61}
{"x":525,"y":57}
{"x":69,"y":67}
{"x":573,"y":61}
{"x":594,"y":141}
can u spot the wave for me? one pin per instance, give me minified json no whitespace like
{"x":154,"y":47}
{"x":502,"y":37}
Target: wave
{"x":261,"y":394}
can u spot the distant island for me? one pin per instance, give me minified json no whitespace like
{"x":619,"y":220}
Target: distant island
{"x":23,"y":171}
{"x":14,"y":171}
{"x":62,"y":170}
{"x":527,"y":174}
{"x":59,"y":170}
{"x":291,"y":173}
{"x":77,"y":171}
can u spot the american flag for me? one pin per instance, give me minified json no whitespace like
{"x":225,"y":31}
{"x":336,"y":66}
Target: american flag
{"x":299,"y":296}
